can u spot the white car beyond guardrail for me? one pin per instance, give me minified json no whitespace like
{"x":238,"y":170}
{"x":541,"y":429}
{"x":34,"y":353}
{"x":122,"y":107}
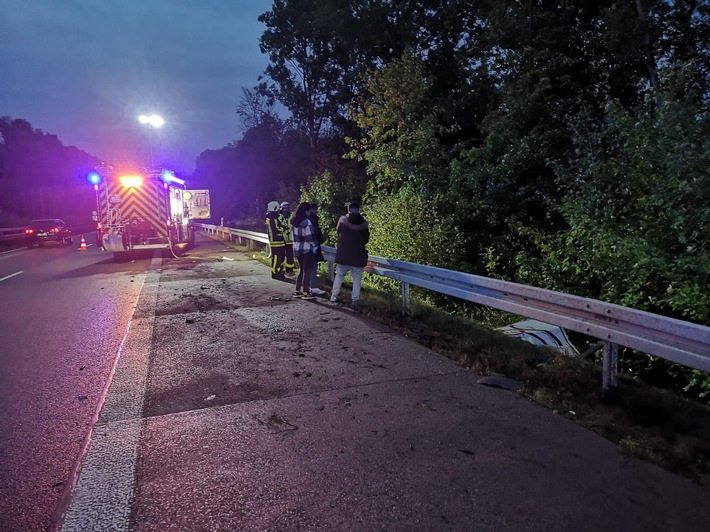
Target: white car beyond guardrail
{"x":675,"y":340}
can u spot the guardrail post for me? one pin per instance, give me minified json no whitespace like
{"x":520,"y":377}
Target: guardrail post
{"x":610,"y":365}
{"x":331,"y":271}
{"x":405,"y":298}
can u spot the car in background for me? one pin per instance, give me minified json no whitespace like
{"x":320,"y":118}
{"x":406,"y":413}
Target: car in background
{"x":47,"y":230}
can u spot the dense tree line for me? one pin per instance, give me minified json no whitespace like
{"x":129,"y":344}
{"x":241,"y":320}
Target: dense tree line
{"x":559,"y":144}
{"x":42,"y":178}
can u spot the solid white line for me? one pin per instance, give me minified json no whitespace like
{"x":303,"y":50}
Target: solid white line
{"x":10,"y":276}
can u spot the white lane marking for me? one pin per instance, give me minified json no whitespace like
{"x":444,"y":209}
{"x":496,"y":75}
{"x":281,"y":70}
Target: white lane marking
{"x":10,"y":276}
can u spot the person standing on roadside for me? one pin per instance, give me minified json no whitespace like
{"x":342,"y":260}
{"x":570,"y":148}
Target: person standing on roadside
{"x":285,"y":215}
{"x":313,"y":217}
{"x":351,"y":252}
{"x":275,"y":230}
{"x":304,"y":247}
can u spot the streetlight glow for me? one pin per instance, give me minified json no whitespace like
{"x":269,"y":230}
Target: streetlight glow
{"x":155,"y":122}
{"x":152,"y":120}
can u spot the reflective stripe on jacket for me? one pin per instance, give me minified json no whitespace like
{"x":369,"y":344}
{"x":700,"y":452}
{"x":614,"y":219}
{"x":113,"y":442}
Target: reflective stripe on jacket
{"x":286,"y":224}
{"x":274,"y":229}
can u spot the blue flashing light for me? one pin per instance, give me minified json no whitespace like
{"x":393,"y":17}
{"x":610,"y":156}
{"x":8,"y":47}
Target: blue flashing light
{"x":169,"y":177}
{"x":94,"y":178}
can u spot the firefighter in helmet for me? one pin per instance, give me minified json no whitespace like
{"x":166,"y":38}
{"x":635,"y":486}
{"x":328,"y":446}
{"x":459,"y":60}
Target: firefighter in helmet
{"x":285,"y":216}
{"x":275,"y":231}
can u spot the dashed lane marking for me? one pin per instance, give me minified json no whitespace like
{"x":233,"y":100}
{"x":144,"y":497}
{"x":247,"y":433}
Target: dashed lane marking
{"x":11,"y":276}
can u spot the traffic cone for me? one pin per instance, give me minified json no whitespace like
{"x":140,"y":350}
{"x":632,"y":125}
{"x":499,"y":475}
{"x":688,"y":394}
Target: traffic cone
{"x":83,"y":244}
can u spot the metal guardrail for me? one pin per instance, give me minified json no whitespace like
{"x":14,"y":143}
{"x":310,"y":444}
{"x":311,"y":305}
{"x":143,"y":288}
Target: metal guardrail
{"x":8,"y":234}
{"x":668,"y":338}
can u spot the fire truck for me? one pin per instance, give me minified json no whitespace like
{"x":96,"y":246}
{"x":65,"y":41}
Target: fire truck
{"x":148,"y":210}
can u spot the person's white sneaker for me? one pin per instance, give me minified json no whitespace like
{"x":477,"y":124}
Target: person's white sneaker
{"x":317,"y":291}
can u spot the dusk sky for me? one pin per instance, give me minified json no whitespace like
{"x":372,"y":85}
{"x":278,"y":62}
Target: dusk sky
{"x":85,"y":69}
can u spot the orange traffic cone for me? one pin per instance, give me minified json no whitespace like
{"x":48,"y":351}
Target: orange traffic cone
{"x":83,"y":244}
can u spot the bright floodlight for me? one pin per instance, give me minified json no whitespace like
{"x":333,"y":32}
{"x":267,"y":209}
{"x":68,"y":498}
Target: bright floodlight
{"x":152,"y":120}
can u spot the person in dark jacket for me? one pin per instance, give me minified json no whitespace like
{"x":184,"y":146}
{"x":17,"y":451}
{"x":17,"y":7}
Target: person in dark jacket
{"x":304,"y":247}
{"x":351,"y":253}
{"x":275,"y":230}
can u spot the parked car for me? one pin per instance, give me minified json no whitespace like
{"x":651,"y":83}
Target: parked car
{"x":49,"y":230}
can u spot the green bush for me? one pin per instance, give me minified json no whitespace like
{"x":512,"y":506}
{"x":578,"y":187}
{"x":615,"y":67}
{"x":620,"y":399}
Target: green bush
{"x":407,"y":227}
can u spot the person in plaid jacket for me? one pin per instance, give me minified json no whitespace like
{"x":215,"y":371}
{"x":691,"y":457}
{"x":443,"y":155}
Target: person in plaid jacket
{"x":305,"y":246}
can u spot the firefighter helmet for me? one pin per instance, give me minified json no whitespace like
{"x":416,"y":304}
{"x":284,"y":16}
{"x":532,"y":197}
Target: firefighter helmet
{"x":273,"y":206}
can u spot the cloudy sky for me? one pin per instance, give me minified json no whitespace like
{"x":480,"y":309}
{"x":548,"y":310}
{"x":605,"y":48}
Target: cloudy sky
{"x":85,"y":69}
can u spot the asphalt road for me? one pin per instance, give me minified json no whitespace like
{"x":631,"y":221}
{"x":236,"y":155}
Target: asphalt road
{"x":231,"y":409}
{"x":63,"y":315}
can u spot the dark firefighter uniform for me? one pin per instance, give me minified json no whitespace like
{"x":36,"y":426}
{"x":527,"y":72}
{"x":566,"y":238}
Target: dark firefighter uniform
{"x":289,"y":263}
{"x":275,"y":230}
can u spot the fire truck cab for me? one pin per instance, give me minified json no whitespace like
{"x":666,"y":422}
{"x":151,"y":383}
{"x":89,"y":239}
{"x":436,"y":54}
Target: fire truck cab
{"x":141,"y":211}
